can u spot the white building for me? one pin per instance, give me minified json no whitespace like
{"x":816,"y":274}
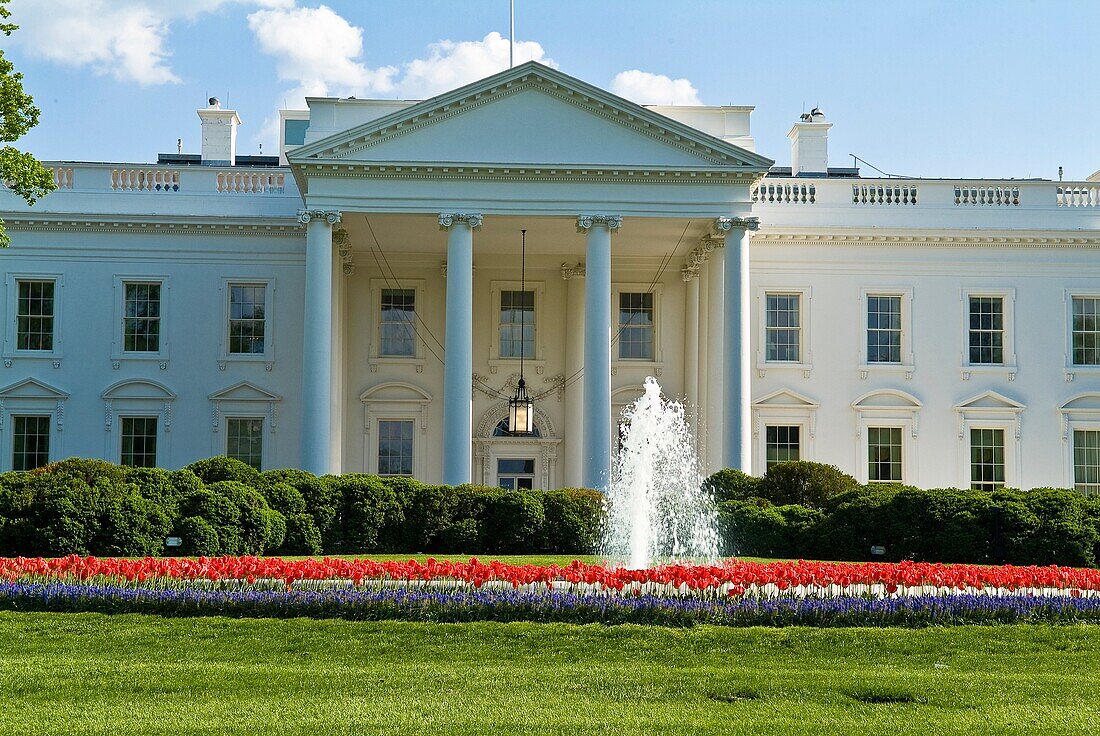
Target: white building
{"x":353,"y":305}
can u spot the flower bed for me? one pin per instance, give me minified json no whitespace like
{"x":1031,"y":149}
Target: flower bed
{"x":733,"y":593}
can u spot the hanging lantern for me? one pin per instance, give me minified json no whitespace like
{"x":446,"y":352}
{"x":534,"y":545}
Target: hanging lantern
{"x":521,"y":410}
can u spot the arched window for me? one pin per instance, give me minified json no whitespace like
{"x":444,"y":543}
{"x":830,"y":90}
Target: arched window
{"x":501,"y":430}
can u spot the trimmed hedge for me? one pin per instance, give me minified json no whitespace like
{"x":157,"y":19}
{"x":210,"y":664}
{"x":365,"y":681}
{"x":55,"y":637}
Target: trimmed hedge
{"x":221,"y":506}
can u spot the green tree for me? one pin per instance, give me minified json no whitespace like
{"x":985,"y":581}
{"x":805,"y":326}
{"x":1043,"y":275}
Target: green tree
{"x":20,"y":171}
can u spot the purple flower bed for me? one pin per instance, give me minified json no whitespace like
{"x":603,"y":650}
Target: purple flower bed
{"x":548,"y":606}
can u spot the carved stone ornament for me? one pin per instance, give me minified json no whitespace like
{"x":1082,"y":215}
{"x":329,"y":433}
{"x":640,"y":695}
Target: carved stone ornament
{"x":698,"y":256}
{"x":612,"y":222}
{"x":343,"y":246}
{"x":330,"y":216}
{"x":572,"y":271}
{"x":472,"y":219}
{"x":725,"y":224}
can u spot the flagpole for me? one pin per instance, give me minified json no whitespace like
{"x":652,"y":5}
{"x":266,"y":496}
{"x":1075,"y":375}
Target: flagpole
{"x":511,"y":33}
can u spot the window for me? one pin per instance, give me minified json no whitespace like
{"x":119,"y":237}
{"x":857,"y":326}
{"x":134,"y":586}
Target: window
{"x":1086,"y":330}
{"x":517,"y":324}
{"x":247,"y":306}
{"x":987,"y":459}
{"x":501,"y":430}
{"x":1086,"y":460}
{"x":245,"y":440}
{"x":398,"y":323}
{"x":783,"y":327}
{"x":636,"y":336}
{"x":35,"y":316}
{"x":139,"y":442}
{"x":30,"y":442}
{"x":395,"y":446}
{"x":883,"y":328}
{"x":141,"y":318}
{"x":516,"y":474}
{"x":884,"y":450}
{"x":987,"y":330}
{"x":782,"y":444}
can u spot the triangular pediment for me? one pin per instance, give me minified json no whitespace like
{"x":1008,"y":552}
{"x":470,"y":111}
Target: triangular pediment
{"x":138,"y":388}
{"x":887,"y":399}
{"x":990,"y":400}
{"x":244,"y":391}
{"x":530,"y":115}
{"x":32,"y":388}
{"x":786,"y":398}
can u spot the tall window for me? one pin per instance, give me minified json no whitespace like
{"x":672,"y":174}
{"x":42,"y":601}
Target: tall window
{"x":515,"y":474}
{"x":517,"y":324}
{"x":395,"y":446}
{"x":247,"y":304}
{"x":141,"y":318}
{"x":783,"y":327}
{"x":245,"y":440}
{"x":883,"y":329}
{"x":139,"y":442}
{"x":884,"y":454}
{"x":1086,"y":460}
{"x":30,"y":442}
{"x":987,"y":459}
{"x":636,"y":336}
{"x":35,"y":315}
{"x":782,"y":444}
{"x":987,"y":330}
{"x":398,"y":320}
{"x":1086,"y":330}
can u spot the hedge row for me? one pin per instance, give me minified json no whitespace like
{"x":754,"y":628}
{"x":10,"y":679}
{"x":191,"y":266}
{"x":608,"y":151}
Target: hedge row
{"x":813,"y":511}
{"x":222,"y":506}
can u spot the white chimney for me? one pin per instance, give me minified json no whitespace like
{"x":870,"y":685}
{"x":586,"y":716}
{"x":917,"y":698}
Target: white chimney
{"x":219,"y":134}
{"x":810,"y":145}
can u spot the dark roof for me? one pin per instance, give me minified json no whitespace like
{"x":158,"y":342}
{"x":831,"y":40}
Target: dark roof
{"x":194,"y":159}
{"x":835,"y":172}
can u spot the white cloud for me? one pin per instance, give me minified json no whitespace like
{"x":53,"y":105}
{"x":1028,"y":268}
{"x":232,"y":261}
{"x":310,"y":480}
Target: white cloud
{"x":451,"y":64}
{"x":124,"y":38}
{"x":654,"y":89}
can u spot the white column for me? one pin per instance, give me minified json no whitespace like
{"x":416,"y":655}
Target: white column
{"x":574,"y":374}
{"x":737,"y":452}
{"x":317,"y":342}
{"x":716,"y":320}
{"x":691,"y":343}
{"x":459,"y":346}
{"x":597,"y":348}
{"x":703,"y":420}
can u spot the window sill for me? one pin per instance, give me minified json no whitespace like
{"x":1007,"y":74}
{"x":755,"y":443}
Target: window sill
{"x":161,"y":358}
{"x":54,"y":356}
{"x":495,"y":364}
{"x":413,"y":361}
{"x":267,"y":360}
{"x":657,"y":366}
{"x":1071,"y":371}
{"x":990,"y":370}
{"x":762,"y":367}
{"x":866,"y":369}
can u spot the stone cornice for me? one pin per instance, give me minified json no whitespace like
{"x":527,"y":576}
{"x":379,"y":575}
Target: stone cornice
{"x":949,"y":240}
{"x":611,"y":222}
{"x":218,"y":226}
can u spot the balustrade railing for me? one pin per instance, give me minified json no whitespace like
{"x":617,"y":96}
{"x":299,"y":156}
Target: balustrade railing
{"x":785,"y":193}
{"x":251,"y":182}
{"x":884,"y":194}
{"x":1079,"y":195}
{"x":62,"y":176}
{"x":145,"y":180}
{"x":981,"y":195}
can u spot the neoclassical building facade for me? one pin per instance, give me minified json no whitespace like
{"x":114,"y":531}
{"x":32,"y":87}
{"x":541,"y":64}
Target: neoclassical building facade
{"x":357,"y":303}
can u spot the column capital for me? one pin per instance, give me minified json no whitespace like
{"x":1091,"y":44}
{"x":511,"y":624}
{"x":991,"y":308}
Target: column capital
{"x":611,"y":222}
{"x":472,"y":219}
{"x":572,"y":271}
{"x":725,"y":224}
{"x":332,"y":217}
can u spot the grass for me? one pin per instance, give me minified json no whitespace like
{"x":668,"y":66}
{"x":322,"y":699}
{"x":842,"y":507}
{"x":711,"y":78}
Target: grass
{"x":93,"y":674}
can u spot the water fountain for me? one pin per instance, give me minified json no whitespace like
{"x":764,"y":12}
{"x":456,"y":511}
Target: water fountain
{"x":657,"y":509}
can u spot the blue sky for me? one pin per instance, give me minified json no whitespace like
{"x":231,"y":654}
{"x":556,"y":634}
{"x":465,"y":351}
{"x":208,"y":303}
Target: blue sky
{"x":952,"y":89}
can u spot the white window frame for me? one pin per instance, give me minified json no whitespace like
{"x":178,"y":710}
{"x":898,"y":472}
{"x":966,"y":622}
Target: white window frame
{"x":31,"y":397}
{"x":787,"y":408}
{"x":138,"y":397}
{"x":227,"y":418}
{"x":1008,"y":368}
{"x":267,"y":357}
{"x":245,"y":400}
{"x":118,"y":354}
{"x":906,"y":366}
{"x":888,"y":408}
{"x":498,"y":454}
{"x":374,"y":356}
{"x":805,"y":364}
{"x":1006,"y":416}
{"x":1073,"y":368}
{"x":416,"y":440}
{"x":160,"y":434}
{"x":1080,"y":412}
{"x":536,"y":361}
{"x":11,"y":333}
{"x":405,"y":402}
{"x":658,"y":362}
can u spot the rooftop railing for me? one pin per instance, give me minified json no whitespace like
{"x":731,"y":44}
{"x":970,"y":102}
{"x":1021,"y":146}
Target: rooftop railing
{"x":167,"y":179}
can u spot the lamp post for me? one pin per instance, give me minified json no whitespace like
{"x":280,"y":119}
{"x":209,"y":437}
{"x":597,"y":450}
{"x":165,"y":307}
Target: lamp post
{"x":521,"y":407}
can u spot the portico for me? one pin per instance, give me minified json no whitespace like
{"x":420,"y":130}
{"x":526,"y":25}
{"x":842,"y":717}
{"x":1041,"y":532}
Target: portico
{"x":610,"y":193}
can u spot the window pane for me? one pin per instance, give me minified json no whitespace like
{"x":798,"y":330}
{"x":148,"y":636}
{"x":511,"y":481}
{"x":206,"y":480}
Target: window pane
{"x":636,"y":335}
{"x":244,"y":440}
{"x":30,"y":442}
{"x":1086,"y":460}
{"x":247,"y":303}
{"x":141,"y":318}
{"x":517,"y":324}
{"x":781,"y":444}
{"x":516,"y":473}
{"x":139,"y":442}
{"x":395,"y":446}
{"x":398,"y":329}
{"x":884,"y":455}
{"x":34,"y":315}
{"x":986,"y":330}
{"x":1086,"y":330}
{"x":883,"y":329}
{"x":783,"y":333}
{"x":987,"y":459}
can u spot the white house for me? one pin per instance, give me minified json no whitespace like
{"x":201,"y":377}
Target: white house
{"x":355,"y":303}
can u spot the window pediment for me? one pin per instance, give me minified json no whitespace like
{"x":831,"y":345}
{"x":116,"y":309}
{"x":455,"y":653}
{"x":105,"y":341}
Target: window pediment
{"x":244,"y":391}
{"x":138,"y":388}
{"x":887,"y":399}
{"x":785,"y":398}
{"x":990,"y":400}
{"x":32,"y":388}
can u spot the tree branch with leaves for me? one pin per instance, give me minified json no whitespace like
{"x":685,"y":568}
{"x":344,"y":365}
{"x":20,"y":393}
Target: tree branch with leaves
{"x":21,"y":172}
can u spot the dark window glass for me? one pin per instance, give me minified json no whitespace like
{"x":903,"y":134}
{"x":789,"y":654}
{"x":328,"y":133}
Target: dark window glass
{"x":398,"y":322}
{"x":245,"y":440}
{"x":1086,"y":330}
{"x":517,"y":324}
{"x":139,"y":442}
{"x":783,"y":327}
{"x":247,"y":303}
{"x":987,"y":332}
{"x":782,"y":444}
{"x":884,"y":454}
{"x":883,"y":329}
{"x":141,"y":318}
{"x":636,"y":326}
{"x":395,"y":446}
{"x":35,"y":315}
{"x":30,"y":442}
{"x":987,"y":459}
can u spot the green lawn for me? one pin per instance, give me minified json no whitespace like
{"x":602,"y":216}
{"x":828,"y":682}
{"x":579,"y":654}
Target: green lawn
{"x":94,"y":674}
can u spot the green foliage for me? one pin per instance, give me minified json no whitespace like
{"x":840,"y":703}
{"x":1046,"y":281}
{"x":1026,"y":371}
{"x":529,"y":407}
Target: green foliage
{"x":733,"y":485}
{"x":367,"y":506}
{"x":302,"y":536}
{"x":322,"y":501}
{"x":214,"y":469}
{"x":574,"y":520}
{"x":804,"y":483}
{"x":199,"y":537}
{"x":20,"y":171}
{"x":427,"y":511}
